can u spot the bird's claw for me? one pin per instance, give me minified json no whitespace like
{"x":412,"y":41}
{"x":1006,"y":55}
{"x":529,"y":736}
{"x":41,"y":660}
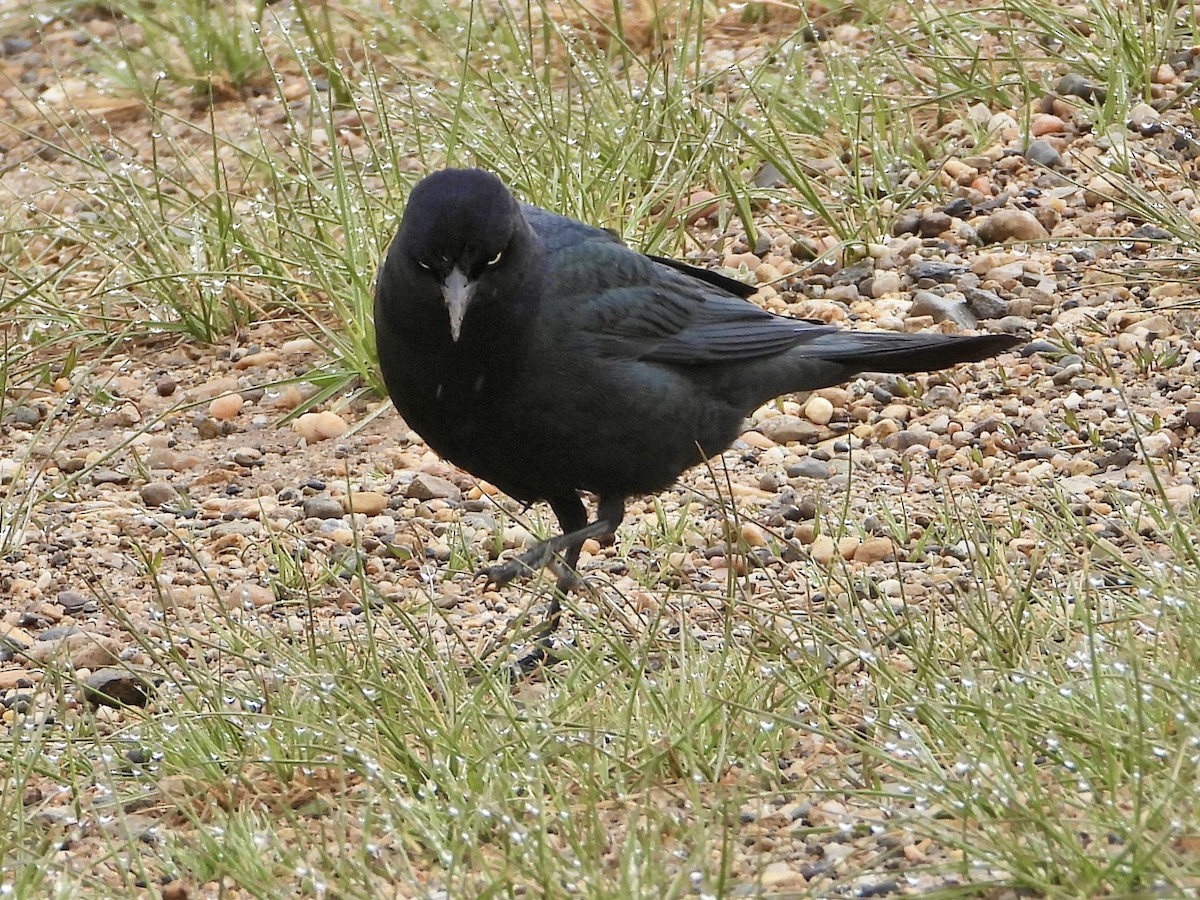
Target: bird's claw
{"x":525,"y":564}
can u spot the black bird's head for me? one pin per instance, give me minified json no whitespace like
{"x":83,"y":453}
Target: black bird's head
{"x":463,"y":238}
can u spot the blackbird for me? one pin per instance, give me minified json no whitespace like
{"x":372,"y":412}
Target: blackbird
{"x":543,"y":355}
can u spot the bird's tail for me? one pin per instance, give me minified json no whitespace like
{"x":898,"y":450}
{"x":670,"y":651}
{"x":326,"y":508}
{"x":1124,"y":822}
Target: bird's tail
{"x":905,"y":354}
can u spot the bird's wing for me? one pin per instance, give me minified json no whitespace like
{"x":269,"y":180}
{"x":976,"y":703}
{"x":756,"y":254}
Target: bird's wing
{"x":700,"y":325}
{"x":635,"y":306}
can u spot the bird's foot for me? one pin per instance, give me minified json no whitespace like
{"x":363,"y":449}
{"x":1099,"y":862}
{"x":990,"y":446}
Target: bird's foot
{"x":525,"y":564}
{"x":542,"y":656}
{"x":529,"y":562}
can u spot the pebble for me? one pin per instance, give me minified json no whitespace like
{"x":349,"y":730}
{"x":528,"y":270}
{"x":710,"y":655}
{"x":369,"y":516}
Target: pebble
{"x":368,"y":503}
{"x":875,"y":549}
{"x":84,"y":650}
{"x":226,"y":407}
{"x":818,"y":410}
{"x":320,"y":426}
{"x":157,"y":493}
{"x":780,"y":874}
{"x":1098,"y":190}
{"x":1073,"y":85}
{"x":935,"y":270}
{"x":117,"y":688}
{"x":985,"y":304}
{"x":941,"y":309}
{"x":26,"y":416}
{"x":165,"y":386}
{"x":822,"y":549}
{"x":214,"y":388}
{"x":1044,"y":124}
{"x":884,"y":283}
{"x":248,"y":456}
{"x":1043,"y":153}
{"x":903,"y":440}
{"x":109,"y":476}
{"x":322,"y":507}
{"x":430,"y":487}
{"x":72,"y":602}
{"x":787,"y":429}
{"x":809,"y":467}
{"x":1006,"y":225}
{"x":13,"y":679}
{"x":756,"y":439}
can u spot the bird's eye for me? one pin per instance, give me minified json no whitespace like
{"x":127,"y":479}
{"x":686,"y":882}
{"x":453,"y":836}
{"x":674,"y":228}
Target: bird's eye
{"x":424,"y":265}
{"x":495,"y":260}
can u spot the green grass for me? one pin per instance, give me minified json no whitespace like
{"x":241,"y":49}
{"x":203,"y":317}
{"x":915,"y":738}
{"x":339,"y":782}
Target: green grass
{"x":1039,"y":719}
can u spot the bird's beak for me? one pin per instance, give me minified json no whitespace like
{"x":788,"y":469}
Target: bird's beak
{"x":457,"y":291}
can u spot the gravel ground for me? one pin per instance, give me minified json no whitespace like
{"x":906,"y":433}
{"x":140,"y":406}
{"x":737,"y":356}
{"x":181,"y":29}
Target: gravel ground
{"x":174,"y":452}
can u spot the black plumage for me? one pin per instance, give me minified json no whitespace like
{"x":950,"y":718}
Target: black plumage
{"x":545,"y":356}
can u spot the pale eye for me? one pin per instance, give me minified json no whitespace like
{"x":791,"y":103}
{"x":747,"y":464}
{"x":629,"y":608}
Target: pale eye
{"x":495,"y":260}
{"x":424,"y":265}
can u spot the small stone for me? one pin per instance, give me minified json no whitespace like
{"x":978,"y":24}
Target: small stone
{"x":822,"y":549}
{"x":932,"y":223}
{"x":322,"y":507}
{"x":700,"y":205}
{"x":226,"y":407}
{"x":320,"y":426}
{"x":165,"y":386}
{"x":1073,"y":85}
{"x":818,"y":410}
{"x":884,"y":283}
{"x":848,"y":546}
{"x":753,"y":536}
{"x":248,"y":457}
{"x":157,"y":493}
{"x":941,"y":309}
{"x":249,"y":594}
{"x":874,"y":550}
{"x":1044,"y":124}
{"x":809,"y":467}
{"x":430,"y":487}
{"x":299,"y":346}
{"x":83,"y":649}
{"x":1043,"y":153}
{"x":1011,"y":225}
{"x":109,"y":476}
{"x":779,"y":874}
{"x":26,"y":416}
{"x":756,"y":439}
{"x":117,"y":688}
{"x":1143,"y":115}
{"x":1163,"y":74}
{"x":902,"y":440}
{"x":985,"y":304}
{"x":785,"y":429}
{"x":769,"y":176}
{"x":369,"y":503}
{"x":209,"y":428}
{"x":72,"y":602}
{"x":935,"y":270}
{"x":11,"y":679}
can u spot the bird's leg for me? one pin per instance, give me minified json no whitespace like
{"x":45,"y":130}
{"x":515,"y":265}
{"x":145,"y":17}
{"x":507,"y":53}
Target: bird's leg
{"x":570,"y":543}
